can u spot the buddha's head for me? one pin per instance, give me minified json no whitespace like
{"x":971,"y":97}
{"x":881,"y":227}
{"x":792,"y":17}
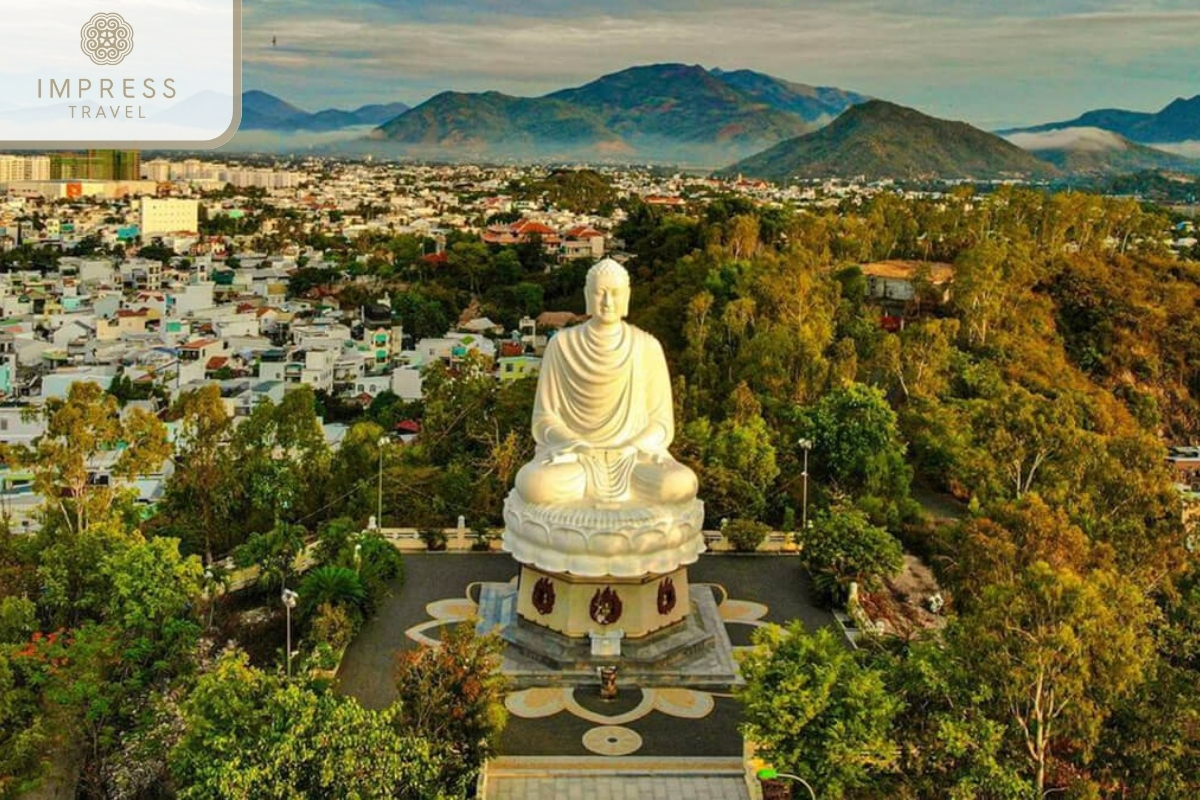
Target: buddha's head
{"x":607,"y":292}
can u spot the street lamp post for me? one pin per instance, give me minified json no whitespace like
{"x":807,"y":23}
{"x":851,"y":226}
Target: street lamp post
{"x":379,"y":498}
{"x":289,"y":602}
{"x":208,"y":596}
{"x":805,"y":445}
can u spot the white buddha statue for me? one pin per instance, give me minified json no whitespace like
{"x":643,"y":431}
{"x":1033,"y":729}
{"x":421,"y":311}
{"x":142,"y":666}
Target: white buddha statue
{"x":602,"y":417}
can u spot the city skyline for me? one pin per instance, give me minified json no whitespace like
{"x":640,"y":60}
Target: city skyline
{"x":1023,"y":65}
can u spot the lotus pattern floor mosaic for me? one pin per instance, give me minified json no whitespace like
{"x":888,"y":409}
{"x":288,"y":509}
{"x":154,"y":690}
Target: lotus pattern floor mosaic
{"x":610,"y":736}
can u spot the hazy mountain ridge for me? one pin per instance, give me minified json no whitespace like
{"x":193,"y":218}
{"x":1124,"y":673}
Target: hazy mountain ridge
{"x":456,"y":118}
{"x":878,"y":139}
{"x":264,"y":111}
{"x":1178,"y":121}
{"x":812,"y":103}
{"x":1095,"y":151}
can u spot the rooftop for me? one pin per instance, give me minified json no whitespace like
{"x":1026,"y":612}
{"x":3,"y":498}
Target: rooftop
{"x":896,"y":269}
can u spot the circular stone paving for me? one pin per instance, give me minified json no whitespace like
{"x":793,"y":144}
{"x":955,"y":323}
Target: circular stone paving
{"x":612,"y":740}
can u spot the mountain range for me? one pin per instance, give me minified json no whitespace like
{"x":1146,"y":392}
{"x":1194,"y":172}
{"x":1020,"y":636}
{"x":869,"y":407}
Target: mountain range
{"x":1178,"y":121}
{"x":1094,"y":151}
{"x":676,"y":111}
{"x":878,"y":139}
{"x":688,"y":115}
{"x":263,"y":111}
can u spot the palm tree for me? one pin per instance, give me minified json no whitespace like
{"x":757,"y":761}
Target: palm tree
{"x":338,"y":586}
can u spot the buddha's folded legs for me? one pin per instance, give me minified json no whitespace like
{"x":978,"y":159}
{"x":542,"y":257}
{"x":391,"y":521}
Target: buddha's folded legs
{"x":595,"y":478}
{"x":547,"y":484}
{"x":668,"y":482}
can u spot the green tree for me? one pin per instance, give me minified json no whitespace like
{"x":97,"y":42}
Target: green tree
{"x":354,"y":470}
{"x":25,"y":730}
{"x":1059,"y":650}
{"x":83,"y":432}
{"x":844,"y":547}
{"x":274,"y":553}
{"x":1022,"y":432}
{"x":816,"y":711}
{"x":923,"y":356}
{"x":468,"y":261}
{"x":857,"y":449}
{"x":949,"y":744}
{"x":136,"y":641}
{"x":1150,"y":747}
{"x":453,"y":696}
{"x":281,"y":463}
{"x":248,"y":734}
{"x":734,"y":460}
{"x":199,"y":494}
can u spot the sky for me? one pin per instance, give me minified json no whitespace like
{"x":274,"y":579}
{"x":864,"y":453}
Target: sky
{"x":993,"y":63}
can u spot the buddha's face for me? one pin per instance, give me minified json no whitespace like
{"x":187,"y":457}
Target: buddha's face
{"x":608,"y":300}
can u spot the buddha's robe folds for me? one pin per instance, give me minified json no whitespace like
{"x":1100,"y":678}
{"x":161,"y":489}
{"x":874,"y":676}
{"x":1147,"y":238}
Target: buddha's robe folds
{"x":602,"y":421}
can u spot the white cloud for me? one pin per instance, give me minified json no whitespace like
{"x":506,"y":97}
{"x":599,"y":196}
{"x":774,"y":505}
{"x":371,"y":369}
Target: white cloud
{"x":969,"y":60}
{"x":1082,"y":139}
{"x":251,"y":140}
{"x":1191,"y":149}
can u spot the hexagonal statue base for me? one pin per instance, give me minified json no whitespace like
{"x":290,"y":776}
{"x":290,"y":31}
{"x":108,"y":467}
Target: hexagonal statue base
{"x":578,"y":606}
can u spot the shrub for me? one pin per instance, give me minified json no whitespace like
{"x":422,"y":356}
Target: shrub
{"x":379,"y":563}
{"x":339,"y":586}
{"x":332,"y":626}
{"x":434,"y":538}
{"x":745,"y":534}
{"x":483,"y":537}
{"x":324,"y":657}
{"x":844,"y":547}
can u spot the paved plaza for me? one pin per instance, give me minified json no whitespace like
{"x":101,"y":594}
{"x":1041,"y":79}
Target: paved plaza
{"x":647,"y":728}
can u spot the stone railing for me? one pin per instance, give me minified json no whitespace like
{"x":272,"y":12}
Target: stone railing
{"x":463,"y":539}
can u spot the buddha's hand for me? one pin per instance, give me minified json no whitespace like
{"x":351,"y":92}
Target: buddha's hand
{"x":569,"y":453}
{"x":658,"y":457}
{"x":627,"y":450}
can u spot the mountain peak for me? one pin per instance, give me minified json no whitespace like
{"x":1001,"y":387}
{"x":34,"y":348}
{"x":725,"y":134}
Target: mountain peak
{"x":878,"y":139}
{"x":664,"y":111}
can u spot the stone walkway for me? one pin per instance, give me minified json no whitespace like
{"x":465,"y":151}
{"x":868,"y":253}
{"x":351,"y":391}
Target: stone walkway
{"x":615,"y":779}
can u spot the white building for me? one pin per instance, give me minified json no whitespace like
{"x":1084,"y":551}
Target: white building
{"x":192,"y":297}
{"x":58,"y":383}
{"x":406,"y":382}
{"x":167,"y":215}
{"x":24,"y":168}
{"x":157,"y":170}
{"x":15,"y":428}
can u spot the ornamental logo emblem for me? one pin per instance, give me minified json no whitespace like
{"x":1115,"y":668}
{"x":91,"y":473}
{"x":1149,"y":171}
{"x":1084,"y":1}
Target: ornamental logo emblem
{"x":605,"y":608}
{"x":666,"y":596}
{"x":543,"y":596}
{"x":106,"y":39}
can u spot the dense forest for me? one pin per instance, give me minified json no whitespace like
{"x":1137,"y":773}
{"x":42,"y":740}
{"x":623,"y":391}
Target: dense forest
{"x":1040,"y":393}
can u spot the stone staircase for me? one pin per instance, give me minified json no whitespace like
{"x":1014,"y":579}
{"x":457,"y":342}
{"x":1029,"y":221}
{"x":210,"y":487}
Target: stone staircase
{"x":604,"y":778}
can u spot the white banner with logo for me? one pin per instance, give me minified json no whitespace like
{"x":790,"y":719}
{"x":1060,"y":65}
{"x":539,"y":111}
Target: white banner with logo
{"x":132,"y":73}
